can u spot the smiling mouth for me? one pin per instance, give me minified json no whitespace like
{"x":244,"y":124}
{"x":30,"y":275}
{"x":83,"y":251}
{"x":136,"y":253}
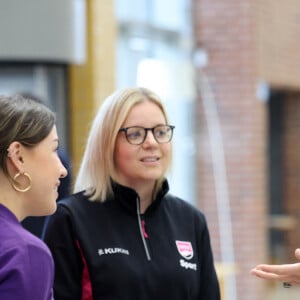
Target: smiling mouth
{"x":150,"y":159}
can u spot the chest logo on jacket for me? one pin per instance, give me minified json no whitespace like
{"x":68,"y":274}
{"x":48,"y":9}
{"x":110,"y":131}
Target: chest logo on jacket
{"x":110,"y":251}
{"x":185,"y":249}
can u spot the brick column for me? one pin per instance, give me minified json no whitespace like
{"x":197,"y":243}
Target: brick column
{"x":226,"y":31}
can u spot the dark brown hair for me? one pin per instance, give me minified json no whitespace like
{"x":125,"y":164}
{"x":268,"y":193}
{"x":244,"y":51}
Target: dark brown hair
{"x":24,"y":120}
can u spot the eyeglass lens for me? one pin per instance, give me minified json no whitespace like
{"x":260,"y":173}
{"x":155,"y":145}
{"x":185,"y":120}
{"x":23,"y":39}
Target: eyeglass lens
{"x":137,"y":135}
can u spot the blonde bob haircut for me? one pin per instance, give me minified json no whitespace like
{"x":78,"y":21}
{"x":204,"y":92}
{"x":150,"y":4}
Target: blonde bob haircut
{"x":97,"y":168}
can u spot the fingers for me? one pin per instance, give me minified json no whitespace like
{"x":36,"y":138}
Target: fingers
{"x":297,"y":253}
{"x":276,"y":269}
{"x":261,"y":272}
{"x":285,"y":273}
{"x":280,"y":270}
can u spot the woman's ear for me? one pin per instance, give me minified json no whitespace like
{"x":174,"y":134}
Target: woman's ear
{"x":15,"y":155}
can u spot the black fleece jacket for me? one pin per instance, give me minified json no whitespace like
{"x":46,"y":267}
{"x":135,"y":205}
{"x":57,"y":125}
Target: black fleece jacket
{"x":123,"y":255}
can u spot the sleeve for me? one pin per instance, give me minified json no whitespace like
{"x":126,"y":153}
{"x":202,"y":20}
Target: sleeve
{"x":26,"y":273}
{"x":60,"y":237}
{"x":209,"y":285}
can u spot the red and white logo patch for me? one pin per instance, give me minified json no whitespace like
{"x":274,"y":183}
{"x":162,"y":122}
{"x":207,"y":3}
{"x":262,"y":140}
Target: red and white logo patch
{"x":185,"y":249}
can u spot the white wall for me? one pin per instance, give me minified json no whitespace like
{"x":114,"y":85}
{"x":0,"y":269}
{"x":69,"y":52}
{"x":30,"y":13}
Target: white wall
{"x":42,"y":30}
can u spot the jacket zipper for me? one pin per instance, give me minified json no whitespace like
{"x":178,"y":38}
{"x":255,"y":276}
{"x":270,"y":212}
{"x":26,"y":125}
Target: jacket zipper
{"x":141,"y":229}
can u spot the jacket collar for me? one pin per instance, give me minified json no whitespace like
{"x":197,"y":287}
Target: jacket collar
{"x":128,"y":197}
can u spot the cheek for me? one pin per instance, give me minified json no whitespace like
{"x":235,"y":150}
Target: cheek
{"x":167,"y":154}
{"x":167,"y":151}
{"x":123,"y":156}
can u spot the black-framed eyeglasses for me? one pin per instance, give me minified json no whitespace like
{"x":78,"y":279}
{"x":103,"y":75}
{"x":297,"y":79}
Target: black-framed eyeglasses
{"x":136,"y":135}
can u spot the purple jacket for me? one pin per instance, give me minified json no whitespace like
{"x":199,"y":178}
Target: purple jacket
{"x":26,"y":265}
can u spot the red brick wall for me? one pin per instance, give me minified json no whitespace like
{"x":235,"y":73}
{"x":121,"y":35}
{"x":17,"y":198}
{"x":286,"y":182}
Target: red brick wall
{"x":225,"y":29}
{"x":278,"y":31}
{"x":247,"y":42}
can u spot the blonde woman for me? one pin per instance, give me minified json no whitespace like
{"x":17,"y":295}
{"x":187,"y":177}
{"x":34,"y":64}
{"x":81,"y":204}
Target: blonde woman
{"x":122,"y":235}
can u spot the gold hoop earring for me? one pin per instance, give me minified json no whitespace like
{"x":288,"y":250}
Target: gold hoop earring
{"x":15,"y":181}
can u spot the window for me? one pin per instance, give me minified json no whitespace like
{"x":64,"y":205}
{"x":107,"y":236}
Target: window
{"x":154,"y":48}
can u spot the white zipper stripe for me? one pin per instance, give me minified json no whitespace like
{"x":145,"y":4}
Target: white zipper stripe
{"x":141,"y":230}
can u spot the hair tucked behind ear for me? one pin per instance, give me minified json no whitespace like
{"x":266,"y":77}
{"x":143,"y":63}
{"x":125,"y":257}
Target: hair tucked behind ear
{"x":23,"y":120}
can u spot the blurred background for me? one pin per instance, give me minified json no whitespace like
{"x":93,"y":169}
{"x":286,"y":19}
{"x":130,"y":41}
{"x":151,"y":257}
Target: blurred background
{"x":229,"y":75}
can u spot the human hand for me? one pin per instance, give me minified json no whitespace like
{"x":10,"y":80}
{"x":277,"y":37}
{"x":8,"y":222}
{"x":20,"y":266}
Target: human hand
{"x":289,"y":273}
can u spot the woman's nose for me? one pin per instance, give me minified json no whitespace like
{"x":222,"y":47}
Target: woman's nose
{"x":63,"y":172}
{"x":150,"y":139}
